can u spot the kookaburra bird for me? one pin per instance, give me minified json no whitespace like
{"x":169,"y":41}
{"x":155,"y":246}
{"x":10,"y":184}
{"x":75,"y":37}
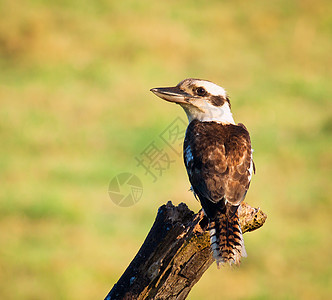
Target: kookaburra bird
{"x":218,"y":157}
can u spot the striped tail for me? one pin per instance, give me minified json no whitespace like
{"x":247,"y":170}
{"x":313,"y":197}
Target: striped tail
{"x":226,"y":239}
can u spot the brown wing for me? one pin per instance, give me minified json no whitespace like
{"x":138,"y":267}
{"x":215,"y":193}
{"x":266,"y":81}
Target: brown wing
{"x":218,"y":161}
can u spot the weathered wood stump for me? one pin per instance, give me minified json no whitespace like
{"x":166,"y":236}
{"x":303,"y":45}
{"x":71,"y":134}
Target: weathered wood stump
{"x":175,"y":254}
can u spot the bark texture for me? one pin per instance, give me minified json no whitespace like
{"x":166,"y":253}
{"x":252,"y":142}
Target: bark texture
{"x":175,"y":254}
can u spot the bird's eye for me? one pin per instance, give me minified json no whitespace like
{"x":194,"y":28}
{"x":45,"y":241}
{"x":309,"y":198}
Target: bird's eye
{"x":200,"y":91}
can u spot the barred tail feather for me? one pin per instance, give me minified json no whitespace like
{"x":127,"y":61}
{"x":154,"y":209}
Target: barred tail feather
{"x":226,"y":239}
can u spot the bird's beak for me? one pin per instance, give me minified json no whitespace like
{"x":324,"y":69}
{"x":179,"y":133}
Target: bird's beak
{"x":172,"y":94}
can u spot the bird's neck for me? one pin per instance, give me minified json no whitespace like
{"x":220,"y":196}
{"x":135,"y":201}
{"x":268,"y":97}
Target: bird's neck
{"x":220,"y":114}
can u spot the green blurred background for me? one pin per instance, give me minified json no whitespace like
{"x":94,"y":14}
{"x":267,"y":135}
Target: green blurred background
{"x":76,"y":110}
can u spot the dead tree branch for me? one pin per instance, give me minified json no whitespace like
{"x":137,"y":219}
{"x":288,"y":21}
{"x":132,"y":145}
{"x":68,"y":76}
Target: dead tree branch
{"x":175,"y":254}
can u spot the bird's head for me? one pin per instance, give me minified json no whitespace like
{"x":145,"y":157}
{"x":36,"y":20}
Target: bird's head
{"x":201,"y":99}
